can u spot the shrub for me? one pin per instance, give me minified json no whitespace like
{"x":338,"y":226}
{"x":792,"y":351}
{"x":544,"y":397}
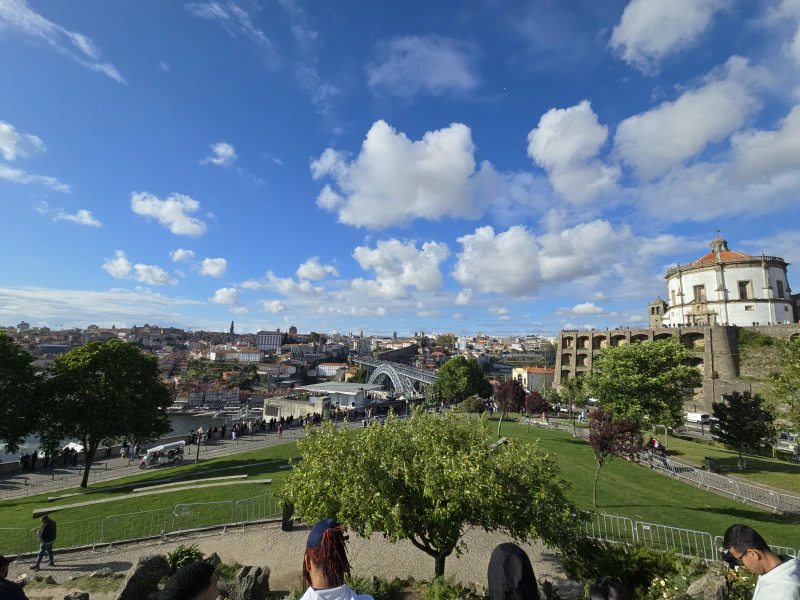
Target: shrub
{"x":472,"y":405}
{"x":446,"y":589}
{"x":754,"y":339}
{"x":377,"y":587}
{"x":226,"y":572}
{"x":182,"y":556}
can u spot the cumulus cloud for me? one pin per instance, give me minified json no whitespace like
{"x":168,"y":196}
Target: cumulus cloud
{"x":224,"y":154}
{"x":424,"y":311}
{"x":654,"y":141}
{"x":504,"y":318}
{"x":121,"y":268}
{"x":398,"y":266}
{"x":225,"y":296}
{"x":498,"y":310}
{"x":289,"y":287}
{"x":395,"y":180}
{"x":213,"y":267}
{"x":587,"y":308}
{"x":464,"y":296}
{"x":435,"y":65}
{"x":353,"y":311}
{"x":14,"y":144}
{"x":459,"y":317}
{"x":651,"y":30}
{"x":273,"y":306}
{"x":18,"y":16}
{"x":181,"y":255}
{"x":313,"y":269}
{"x":81,"y":217}
{"x":565,"y":144}
{"x":174,"y":212}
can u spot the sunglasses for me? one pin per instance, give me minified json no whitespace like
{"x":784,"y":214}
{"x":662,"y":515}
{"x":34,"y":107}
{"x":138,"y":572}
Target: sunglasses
{"x":733,"y":560}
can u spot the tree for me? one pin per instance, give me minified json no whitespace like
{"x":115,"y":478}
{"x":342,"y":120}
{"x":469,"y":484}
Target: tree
{"x":427,"y":479}
{"x":19,"y":394}
{"x":460,"y":378}
{"x":472,"y":405}
{"x":784,"y":387}
{"x":360,"y":376}
{"x":645,"y":383}
{"x":742,"y":421}
{"x":104,"y":392}
{"x":510,"y":397}
{"x":610,"y":437}
{"x":573,"y":387}
{"x":433,"y":394}
{"x":535,"y":403}
{"x":423,"y":341}
{"x":314,"y":339}
{"x":447,"y":341}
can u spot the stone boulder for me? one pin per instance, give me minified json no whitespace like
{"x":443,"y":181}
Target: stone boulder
{"x":104,"y":572}
{"x":710,"y":586}
{"x":251,"y":583}
{"x":50,"y":580}
{"x":143,"y":579}
{"x":77,"y":596}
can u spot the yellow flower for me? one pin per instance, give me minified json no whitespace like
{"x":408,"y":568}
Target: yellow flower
{"x":676,"y":589}
{"x":666,"y":595}
{"x":663,"y":583}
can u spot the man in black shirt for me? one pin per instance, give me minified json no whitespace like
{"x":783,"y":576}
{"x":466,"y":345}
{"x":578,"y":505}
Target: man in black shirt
{"x":47,"y":535}
{"x":9,"y":590}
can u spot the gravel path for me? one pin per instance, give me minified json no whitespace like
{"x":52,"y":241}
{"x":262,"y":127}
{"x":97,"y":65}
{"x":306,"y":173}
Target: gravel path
{"x":282,"y":552}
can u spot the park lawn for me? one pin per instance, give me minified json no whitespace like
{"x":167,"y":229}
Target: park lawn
{"x":637,"y":492}
{"x":767,"y":471}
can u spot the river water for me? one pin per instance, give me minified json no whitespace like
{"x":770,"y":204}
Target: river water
{"x":183,"y":423}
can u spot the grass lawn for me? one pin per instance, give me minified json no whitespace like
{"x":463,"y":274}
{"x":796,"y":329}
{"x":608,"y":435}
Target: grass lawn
{"x":777,"y":473}
{"x":625,"y":489}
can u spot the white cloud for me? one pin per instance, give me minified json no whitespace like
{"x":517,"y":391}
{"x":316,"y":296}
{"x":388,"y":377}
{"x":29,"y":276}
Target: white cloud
{"x":180,"y":255}
{"x":213,"y":267}
{"x":17,"y":15}
{"x":273,"y":306}
{"x":353,"y":311}
{"x":15,"y":145}
{"x":505,"y":263}
{"x":565,"y":144}
{"x":289,"y":287}
{"x":399,"y":265}
{"x":654,"y":141}
{"x":758,"y":155}
{"x":312,"y":269}
{"x":587,"y":308}
{"x":783,"y":243}
{"x":153,"y":275}
{"x":238,"y":23}
{"x":651,"y":30}
{"x":504,"y":318}
{"x":19,"y":176}
{"x":82,"y":217}
{"x":498,"y":310}
{"x":320,"y":92}
{"x":163,"y":66}
{"x":119,"y":267}
{"x":423,"y":311}
{"x":464,"y":296}
{"x":395,"y":180}
{"x":42,"y":207}
{"x":173,"y":212}
{"x":277,"y":161}
{"x":225,"y":296}
{"x":224,"y":155}
{"x":431,"y":64}
{"x":597,"y":296}
{"x":459,"y":317}
{"x":252,"y":285}
{"x":239,"y":310}
{"x":303,"y":34}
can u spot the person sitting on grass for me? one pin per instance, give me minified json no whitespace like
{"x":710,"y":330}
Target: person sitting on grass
{"x":778,"y":576}
{"x":325,"y":564}
{"x":195,"y":581}
{"x":511,"y":574}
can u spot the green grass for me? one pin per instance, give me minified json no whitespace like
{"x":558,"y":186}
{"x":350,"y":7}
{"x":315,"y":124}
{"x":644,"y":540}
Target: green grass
{"x":93,"y":585}
{"x":767,"y":471}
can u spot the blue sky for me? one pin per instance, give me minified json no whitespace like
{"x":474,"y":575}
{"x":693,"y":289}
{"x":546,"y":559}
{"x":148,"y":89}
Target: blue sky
{"x":505,"y":167}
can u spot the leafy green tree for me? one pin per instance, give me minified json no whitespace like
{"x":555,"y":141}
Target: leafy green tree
{"x":645,"y":383}
{"x":19,"y":394}
{"x":424,"y":341}
{"x":427,"y":479}
{"x":610,"y":437}
{"x":459,"y":378}
{"x":783,"y":390}
{"x":472,"y":405}
{"x":510,"y":397}
{"x":574,"y":391}
{"x":105,"y":392}
{"x":743,"y":422}
{"x":314,"y":339}
{"x":433,"y":394}
{"x":446,"y":341}
{"x":360,"y":376}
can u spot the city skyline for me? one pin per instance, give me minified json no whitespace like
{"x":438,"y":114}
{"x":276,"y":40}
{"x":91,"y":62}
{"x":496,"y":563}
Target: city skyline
{"x":459,"y":168}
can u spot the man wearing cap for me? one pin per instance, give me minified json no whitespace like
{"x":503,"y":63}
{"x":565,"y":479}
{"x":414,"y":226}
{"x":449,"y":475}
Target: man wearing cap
{"x":9,"y":590}
{"x":325,"y":564}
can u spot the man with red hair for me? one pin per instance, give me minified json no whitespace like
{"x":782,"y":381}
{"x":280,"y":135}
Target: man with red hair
{"x":325,"y":564}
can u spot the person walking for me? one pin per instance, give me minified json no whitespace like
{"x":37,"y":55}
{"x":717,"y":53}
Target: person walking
{"x":280,"y":430}
{"x":10,"y":590}
{"x":47,"y":535}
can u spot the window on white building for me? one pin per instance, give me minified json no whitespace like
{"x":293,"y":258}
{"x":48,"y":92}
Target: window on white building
{"x":749,"y":307}
{"x":745,"y":290}
{"x":674,"y":301}
{"x":699,"y":293}
{"x":780,"y":289}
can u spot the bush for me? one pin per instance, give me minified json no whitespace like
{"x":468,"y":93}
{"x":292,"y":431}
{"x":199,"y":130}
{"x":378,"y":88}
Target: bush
{"x":446,"y":589}
{"x":377,"y":587}
{"x":182,"y":556}
{"x":754,"y":339}
{"x":472,"y":405}
{"x":226,"y":572}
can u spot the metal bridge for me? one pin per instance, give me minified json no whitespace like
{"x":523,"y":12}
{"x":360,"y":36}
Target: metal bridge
{"x":402,"y":376}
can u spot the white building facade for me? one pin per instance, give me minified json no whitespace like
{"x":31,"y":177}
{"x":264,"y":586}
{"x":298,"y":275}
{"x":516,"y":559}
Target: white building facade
{"x":269,"y":340}
{"x":726,"y":288}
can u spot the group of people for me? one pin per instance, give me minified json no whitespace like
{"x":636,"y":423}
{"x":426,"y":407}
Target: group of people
{"x":510,"y":573}
{"x":43,"y":459}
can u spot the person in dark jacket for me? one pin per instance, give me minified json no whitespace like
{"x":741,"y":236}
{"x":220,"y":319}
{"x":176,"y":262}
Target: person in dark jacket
{"x":511,"y":574}
{"x":9,"y":590}
{"x":47,"y":535}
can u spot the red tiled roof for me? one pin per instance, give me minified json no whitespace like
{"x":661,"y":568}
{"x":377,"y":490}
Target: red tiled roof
{"x":726,"y":256}
{"x":540,"y":370}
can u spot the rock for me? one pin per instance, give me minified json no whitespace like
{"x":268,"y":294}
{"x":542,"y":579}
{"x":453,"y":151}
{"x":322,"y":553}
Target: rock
{"x":251,"y":583}
{"x":104,"y":572}
{"x":77,"y":596}
{"x":224,"y":588}
{"x":213,"y":559}
{"x":710,"y":586}
{"x":143,"y":579}
{"x":50,"y":580}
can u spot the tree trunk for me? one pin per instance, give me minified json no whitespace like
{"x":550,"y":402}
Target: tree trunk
{"x":500,"y":422}
{"x":596,"y":475}
{"x":439,"y":571}
{"x":88,"y":458}
{"x":572,"y":414}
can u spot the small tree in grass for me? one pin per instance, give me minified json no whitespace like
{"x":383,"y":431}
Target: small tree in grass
{"x":610,"y":437}
{"x":472,"y":405}
{"x":742,"y":421}
{"x":459,"y":378}
{"x":427,"y":479}
{"x":510,"y":397}
{"x":433,"y":395}
{"x":535,"y":403}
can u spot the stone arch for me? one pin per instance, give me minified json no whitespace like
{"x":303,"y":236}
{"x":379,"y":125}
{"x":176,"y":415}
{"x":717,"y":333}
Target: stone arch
{"x":566,"y":359}
{"x":599,"y":342}
{"x":640,"y":337}
{"x":565,"y":375}
{"x":582,"y":360}
{"x":566,"y":342}
{"x":697,"y":361}
{"x":662,"y":336}
{"x":618,"y":340}
{"x":694,"y":340}
{"x":583,"y":342}
{"x":399,"y":382}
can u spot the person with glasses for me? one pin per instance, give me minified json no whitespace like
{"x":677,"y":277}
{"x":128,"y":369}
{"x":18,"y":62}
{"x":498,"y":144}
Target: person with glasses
{"x":778,"y":575}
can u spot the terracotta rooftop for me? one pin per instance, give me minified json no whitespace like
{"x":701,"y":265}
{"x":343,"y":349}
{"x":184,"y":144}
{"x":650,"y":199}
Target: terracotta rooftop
{"x":540,"y":370}
{"x":725,"y":256}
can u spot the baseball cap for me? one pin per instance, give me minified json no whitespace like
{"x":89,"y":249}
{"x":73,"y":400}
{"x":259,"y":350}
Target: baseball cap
{"x":315,"y":537}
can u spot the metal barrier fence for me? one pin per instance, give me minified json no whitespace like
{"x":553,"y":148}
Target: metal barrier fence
{"x":611,"y":528}
{"x":776,"y":549}
{"x":143,"y":524}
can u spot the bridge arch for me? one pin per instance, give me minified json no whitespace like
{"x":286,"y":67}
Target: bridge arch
{"x":400,"y":382}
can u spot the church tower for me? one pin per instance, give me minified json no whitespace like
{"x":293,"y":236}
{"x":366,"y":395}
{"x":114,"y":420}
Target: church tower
{"x":231,"y":327}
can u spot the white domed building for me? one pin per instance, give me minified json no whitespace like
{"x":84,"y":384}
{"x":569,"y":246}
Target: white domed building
{"x":726,"y":288}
